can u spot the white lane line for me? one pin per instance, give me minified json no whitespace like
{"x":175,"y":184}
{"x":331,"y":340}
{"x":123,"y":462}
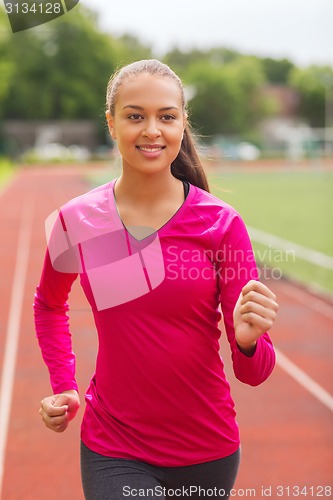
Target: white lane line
{"x":13,"y":326}
{"x":317,"y":258}
{"x":304,"y":380}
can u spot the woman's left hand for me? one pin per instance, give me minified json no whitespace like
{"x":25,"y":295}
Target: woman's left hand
{"x":254,"y":314}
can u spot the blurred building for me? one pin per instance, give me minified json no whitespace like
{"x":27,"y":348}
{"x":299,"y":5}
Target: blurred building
{"x":286,"y":100}
{"x":20,"y":136}
{"x":285,"y":132}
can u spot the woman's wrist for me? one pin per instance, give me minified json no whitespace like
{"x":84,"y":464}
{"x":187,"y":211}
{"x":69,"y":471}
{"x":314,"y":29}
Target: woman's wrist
{"x":247,"y":348}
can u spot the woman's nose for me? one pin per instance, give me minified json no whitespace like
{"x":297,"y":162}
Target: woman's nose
{"x":151,"y":129}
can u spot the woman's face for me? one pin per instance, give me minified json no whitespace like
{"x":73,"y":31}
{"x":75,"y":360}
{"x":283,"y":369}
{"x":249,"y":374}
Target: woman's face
{"x":148,"y":123}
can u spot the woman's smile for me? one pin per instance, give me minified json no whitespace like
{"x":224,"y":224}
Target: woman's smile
{"x":151,"y":150}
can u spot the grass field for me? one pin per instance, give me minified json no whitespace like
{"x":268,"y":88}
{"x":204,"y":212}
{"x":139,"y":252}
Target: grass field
{"x":6,"y":171}
{"x":294,"y":205}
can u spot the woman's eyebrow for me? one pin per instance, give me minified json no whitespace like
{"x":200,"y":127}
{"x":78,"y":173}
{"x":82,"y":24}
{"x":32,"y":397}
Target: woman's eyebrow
{"x":165,"y":108}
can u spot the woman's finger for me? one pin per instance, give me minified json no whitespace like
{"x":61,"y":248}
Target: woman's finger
{"x":260,"y":323}
{"x":253,"y":297}
{"x":258,"y":309}
{"x":48,"y":406}
{"x":257,"y":286}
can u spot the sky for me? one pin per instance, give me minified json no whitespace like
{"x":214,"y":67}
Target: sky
{"x":301,"y":30}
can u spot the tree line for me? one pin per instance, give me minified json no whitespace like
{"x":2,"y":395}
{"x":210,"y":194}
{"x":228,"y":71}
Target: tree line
{"x":60,"y":71}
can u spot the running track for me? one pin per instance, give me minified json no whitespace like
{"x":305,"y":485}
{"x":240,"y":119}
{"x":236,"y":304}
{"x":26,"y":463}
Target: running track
{"x":286,"y":424}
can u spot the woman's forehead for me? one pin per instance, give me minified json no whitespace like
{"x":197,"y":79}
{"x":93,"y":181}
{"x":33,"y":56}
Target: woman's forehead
{"x":149,"y":89}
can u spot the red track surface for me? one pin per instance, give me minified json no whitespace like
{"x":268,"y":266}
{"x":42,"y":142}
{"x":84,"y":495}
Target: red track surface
{"x":287,"y":433}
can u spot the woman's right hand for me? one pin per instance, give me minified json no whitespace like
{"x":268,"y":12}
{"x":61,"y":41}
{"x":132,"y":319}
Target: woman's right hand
{"x":58,"y":410}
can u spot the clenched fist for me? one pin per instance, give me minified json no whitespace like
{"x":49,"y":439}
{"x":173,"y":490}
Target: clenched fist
{"x":254,"y":314}
{"x":58,"y":410}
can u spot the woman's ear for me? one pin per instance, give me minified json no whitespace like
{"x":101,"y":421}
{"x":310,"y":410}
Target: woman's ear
{"x":110,"y":121}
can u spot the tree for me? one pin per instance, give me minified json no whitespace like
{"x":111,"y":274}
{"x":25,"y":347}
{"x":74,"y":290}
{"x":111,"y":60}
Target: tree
{"x":227,"y":99}
{"x":60,"y":70}
{"x":312,"y":83}
{"x":277,"y":70}
{"x":6,"y":64}
{"x":181,"y":61}
{"x":130,"y":49}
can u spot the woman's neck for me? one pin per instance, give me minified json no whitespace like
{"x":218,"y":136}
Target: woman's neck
{"x":145,"y":190}
{"x":148,"y":201}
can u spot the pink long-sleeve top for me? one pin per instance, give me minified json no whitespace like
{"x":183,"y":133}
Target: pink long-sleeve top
{"x":159,"y":393}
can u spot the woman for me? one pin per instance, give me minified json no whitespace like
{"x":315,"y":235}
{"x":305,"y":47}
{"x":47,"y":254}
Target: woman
{"x":157,"y":255}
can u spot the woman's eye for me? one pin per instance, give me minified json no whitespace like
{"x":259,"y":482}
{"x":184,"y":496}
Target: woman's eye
{"x":167,"y":117}
{"x":135,"y":117}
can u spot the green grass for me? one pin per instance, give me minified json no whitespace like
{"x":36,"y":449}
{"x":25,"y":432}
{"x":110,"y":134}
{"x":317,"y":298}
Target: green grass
{"x":294,"y":205}
{"x":6,"y":171}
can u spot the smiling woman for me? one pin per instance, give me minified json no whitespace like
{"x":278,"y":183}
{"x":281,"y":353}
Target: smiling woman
{"x":159,"y":411}
{"x":165,"y":102}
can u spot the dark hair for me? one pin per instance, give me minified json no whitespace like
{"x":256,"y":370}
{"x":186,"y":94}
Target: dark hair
{"x":187,"y":166}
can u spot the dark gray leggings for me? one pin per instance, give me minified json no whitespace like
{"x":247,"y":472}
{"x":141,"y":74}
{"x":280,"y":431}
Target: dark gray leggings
{"x":105,"y":478}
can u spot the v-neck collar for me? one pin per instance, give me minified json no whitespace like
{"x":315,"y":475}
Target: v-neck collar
{"x":164,"y":227}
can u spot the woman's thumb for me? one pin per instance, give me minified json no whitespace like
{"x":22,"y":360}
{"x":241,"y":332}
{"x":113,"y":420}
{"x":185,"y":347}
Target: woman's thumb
{"x":61,"y":400}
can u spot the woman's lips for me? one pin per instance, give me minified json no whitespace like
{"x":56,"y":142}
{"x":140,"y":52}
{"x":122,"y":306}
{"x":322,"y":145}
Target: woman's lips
{"x":151,"y":151}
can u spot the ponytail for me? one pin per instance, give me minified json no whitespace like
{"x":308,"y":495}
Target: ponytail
{"x":187,"y":166}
